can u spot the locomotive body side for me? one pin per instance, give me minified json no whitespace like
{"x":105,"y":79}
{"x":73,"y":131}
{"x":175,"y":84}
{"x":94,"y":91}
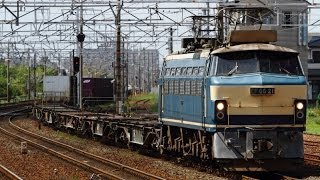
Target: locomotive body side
{"x":181,"y":83}
{"x":247,"y":107}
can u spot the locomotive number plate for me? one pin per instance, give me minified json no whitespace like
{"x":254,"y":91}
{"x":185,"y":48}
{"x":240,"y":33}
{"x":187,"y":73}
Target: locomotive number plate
{"x":261,"y":91}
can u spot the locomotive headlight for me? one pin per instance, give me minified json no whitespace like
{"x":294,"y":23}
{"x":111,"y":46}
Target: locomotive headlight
{"x":220,"y":106}
{"x":221,"y":113}
{"x":299,"y":105}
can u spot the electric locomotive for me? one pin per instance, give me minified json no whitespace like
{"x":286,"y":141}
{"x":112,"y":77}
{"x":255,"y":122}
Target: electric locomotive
{"x":242,"y":105}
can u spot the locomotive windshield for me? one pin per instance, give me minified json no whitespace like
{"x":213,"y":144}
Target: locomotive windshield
{"x":258,"y":61}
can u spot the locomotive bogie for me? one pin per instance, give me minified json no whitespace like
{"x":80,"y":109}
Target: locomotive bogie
{"x":185,"y":142}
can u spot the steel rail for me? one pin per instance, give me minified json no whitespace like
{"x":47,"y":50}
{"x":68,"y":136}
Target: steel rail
{"x":9,"y":173}
{"x":312,"y":158}
{"x":89,"y":155}
{"x":273,"y":175}
{"x":61,"y":155}
{"x":311,"y":143}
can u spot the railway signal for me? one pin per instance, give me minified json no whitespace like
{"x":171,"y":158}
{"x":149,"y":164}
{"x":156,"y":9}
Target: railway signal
{"x":76,"y":65}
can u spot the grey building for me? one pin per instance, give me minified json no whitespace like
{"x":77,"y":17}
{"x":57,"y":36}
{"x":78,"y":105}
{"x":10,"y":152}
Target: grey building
{"x":314,"y":66}
{"x":140,"y":66}
{"x":288,"y":17}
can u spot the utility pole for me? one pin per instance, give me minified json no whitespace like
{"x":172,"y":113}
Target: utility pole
{"x":8,"y":80}
{"x":152,"y":73}
{"x":206,"y":12}
{"x":45,"y":64}
{"x":8,"y":75}
{"x":123,"y":95}
{"x":134,"y":72}
{"x":170,"y":41}
{"x":143,"y":72}
{"x":80,"y":38}
{"x":34,"y":76}
{"x":127,"y":72}
{"x":139,"y":72}
{"x":118,"y":78}
{"x":29,"y":75}
{"x":59,"y":62}
{"x":149,"y":86}
{"x":220,"y":25}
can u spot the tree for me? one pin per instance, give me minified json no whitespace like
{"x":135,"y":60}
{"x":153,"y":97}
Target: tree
{"x":19,"y":79}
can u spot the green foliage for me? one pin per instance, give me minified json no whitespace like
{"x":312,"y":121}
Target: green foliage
{"x":3,"y":86}
{"x":3,"y":80}
{"x":19,"y":78}
{"x":151,"y":104}
{"x":313,"y":121}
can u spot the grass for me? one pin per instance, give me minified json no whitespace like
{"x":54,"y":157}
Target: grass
{"x":68,"y":138}
{"x":151,"y":104}
{"x":313,"y":121}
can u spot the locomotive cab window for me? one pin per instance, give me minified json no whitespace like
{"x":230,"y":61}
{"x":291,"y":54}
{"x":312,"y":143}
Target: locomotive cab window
{"x":237,"y":63}
{"x":279,"y":63}
{"x":258,"y":61}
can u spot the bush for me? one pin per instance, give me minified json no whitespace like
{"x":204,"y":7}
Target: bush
{"x":313,"y":112}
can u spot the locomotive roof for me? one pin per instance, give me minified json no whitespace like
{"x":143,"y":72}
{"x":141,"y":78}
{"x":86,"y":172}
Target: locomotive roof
{"x":253,"y":47}
{"x":194,"y":55}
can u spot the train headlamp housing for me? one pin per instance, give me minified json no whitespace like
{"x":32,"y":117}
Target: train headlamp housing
{"x":221,"y":110}
{"x":299,"y":105}
{"x":220,"y":106}
{"x":300,"y":111}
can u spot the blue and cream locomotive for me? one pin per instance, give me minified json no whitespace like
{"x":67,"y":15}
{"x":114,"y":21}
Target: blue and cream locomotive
{"x":241,"y":105}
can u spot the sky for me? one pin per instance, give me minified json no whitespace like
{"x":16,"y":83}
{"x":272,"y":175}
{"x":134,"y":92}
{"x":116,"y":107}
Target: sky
{"x":314,"y":18}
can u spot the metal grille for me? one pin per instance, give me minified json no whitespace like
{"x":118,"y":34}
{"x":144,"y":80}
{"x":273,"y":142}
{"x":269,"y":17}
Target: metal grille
{"x":181,"y":87}
{"x":199,"y":84}
{"x":193,"y":88}
{"x":176,"y":87}
{"x":166,"y":87}
{"x":170,"y":87}
{"x":187,"y":87}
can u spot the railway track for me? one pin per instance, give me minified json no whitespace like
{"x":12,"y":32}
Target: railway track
{"x":312,"y":143}
{"x":267,"y":175}
{"x":8,"y":106}
{"x":104,"y":167}
{"x":312,"y":158}
{"x":9,"y":174}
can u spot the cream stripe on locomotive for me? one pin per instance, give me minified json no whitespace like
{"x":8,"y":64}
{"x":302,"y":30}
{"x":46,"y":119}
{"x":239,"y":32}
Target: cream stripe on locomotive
{"x":227,"y":126}
{"x":241,"y":102}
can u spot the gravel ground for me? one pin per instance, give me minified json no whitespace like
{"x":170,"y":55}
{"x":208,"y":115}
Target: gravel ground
{"x":313,"y":150}
{"x":163,"y":168}
{"x":36,"y":164}
{"x":311,"y":137}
